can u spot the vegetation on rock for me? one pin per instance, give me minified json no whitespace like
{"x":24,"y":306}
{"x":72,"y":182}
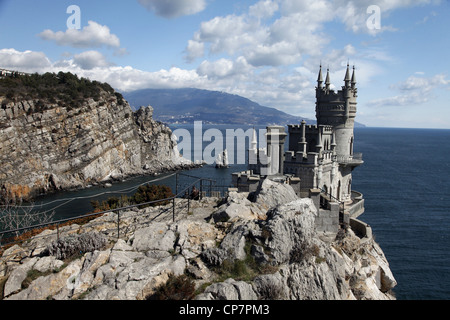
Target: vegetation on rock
{"x":176,"y":288}
{"x":144,"y":194}
{"x":66,"y":89}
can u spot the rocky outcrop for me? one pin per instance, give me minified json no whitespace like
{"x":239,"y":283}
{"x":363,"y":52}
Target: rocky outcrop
{"x":51,"y":146}
{"x":244,"y":257}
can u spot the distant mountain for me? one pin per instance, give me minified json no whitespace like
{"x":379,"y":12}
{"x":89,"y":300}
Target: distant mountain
{"x":188,"y":105}
{"x":214,"y":107}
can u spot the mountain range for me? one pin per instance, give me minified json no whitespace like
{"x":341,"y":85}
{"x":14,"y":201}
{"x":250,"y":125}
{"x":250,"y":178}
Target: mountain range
{"x":214,"y":107}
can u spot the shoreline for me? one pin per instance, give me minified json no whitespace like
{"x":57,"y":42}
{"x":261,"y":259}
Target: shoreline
{"x":108,"y":183}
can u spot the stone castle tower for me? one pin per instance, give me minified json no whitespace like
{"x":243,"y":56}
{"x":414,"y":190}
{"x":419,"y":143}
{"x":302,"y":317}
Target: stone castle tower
{"x":319,"y":160}
{"x":322,"y":155}
{"x":338,"y":109}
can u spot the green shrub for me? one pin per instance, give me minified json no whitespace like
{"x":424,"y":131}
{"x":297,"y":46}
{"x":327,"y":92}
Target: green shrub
{"x":144,"y":194}
{"x":63,"y":86}
{"x":176,"y":288}
{"x":149,"y":193}
{"x":304,"y":251}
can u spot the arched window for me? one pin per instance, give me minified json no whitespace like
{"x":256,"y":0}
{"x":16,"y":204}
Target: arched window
{"x":338,"y":195}
{"x":351,"y":146}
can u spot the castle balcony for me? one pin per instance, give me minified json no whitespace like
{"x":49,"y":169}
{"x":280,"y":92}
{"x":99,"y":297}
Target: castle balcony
{"x":356,"y":207}
{"x":352,"y":208}
{"x":351,"y":160}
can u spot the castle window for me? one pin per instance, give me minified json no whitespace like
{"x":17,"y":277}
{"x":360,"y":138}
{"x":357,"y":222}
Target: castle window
{"x":351,"y":146}
{"x":338,"y":195}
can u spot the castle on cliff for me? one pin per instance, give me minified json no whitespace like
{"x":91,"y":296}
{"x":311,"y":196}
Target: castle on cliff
{"x":319,"y":160}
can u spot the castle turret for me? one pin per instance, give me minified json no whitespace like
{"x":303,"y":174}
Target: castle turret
{"x":338,"y":109}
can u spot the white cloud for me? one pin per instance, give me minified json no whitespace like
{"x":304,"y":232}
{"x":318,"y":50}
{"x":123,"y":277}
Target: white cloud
{"x":354,"y":14}
{"x":414,"y":90}
{"x":278,"y":54}
{"x":263,"y":9}
{"x":194,"y":50}
{"x":90,"y":59}
{"x":93,"y":65}
{"x":295,"y":29}
{"x":26,"y":61}
{"x":423,"y":84}
{"x":223,"y":68}
{"x":229,"y":34}
{"x":91,"y":36}
{"x":174,"y":8}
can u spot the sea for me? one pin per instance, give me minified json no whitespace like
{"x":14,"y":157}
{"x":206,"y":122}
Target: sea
{"x":405,"y":183}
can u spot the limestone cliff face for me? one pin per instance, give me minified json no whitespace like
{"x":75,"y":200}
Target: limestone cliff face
{"x":275,"y":255}
{"x":50,"y":147}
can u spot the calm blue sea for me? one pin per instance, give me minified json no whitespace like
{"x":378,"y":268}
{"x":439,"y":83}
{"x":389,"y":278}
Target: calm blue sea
{"x":405,"y":182}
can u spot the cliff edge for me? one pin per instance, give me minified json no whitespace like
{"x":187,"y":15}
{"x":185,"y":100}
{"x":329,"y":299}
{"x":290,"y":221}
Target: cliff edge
{"x":60,"y":132}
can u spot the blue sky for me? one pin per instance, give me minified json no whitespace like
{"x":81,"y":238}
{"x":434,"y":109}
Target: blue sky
{"x":268,"y":51}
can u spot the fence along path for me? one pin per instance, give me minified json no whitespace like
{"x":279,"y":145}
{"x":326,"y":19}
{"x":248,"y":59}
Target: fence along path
{"x":113,"y":223}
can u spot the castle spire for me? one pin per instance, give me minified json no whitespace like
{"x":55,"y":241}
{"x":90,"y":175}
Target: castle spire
{"x":353,"y":78}
{"x":347,"y":76}
{"x":327,"y":80}
{"x":320,"y":79}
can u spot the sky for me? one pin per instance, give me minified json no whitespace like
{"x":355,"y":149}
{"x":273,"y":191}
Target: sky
{"x":268,"y":51}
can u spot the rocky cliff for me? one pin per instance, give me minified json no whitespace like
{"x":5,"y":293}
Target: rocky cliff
{"x":235,"y":249}
{"x":48,"y":144}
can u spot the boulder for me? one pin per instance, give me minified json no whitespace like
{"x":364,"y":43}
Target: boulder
{"x":272,"y":194}
{"x":54,"y":286}
{"x":17,"y":276}
{"x":237,"y":206}
{"x":288,"y":226}
{"x":156,"y":237}
{"x":230,"y":289}
{"x":231,"y":248}
{"x":49,"y":263}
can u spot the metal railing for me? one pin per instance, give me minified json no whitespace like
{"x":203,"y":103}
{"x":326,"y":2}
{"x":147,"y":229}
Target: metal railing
{"x":354,"y":209}
{"x":8,"y":239}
